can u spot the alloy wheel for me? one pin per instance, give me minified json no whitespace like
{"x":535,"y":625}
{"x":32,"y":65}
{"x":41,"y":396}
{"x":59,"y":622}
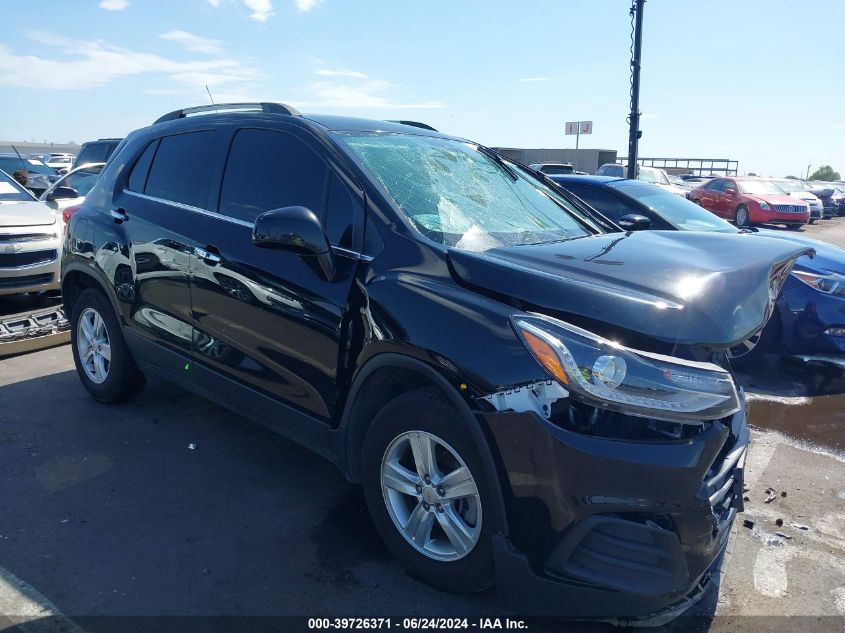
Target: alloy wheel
{"x":746,"y":347}
{"x":431,"y":496}
{"x":93,"y":346}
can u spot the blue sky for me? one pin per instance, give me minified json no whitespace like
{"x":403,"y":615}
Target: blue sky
{"x":759,"y":81}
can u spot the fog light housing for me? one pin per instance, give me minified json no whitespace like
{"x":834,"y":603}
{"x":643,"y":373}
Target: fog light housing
{"x":835,"y":331}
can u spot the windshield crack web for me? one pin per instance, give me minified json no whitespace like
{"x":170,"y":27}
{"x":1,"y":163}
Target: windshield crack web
{"x":457,"y":196}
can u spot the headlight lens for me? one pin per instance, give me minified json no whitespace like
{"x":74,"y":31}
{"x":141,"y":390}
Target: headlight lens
{"x":831,"y":284}
{"x":611,"y":376}
{"x":764,"y":206}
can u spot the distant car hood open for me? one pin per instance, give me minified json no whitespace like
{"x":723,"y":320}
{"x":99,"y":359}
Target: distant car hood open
{"x":25,"y":214}
{"x":696,"y":289}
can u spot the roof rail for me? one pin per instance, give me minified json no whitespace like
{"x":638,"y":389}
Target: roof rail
{"x":275,"y":108}
{"x":424,"y":126}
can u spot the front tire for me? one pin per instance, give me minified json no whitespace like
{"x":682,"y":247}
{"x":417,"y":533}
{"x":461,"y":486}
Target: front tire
{"x":102,"y":359}
{"x":426,"y":490}
{"x":744,"y":355}
{"x":741,"y":218}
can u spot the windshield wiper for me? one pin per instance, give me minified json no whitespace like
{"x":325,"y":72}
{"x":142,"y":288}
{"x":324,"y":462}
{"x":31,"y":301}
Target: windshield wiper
{"x":496,"y":158}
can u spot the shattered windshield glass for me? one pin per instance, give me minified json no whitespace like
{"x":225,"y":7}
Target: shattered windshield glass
{"x":457,"y":195}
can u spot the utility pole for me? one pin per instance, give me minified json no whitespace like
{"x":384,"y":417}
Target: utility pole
{"x":634,"y":120}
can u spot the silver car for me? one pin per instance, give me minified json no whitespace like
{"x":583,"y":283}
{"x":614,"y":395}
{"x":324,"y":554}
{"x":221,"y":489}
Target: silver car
{"x":30,"y":241}
{"x":72,"y":188}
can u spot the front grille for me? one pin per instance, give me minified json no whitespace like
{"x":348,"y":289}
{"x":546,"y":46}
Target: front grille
{"x":26,"y":280}
{"x":17,"y":238}
{"x":789,"y":208}
{"x":27,"y":258}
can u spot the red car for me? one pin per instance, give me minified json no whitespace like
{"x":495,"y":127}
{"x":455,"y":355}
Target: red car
{"x":749,"y":201}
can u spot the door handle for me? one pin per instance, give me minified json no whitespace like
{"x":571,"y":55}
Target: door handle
{"x":119,"y":215}
{"x":209,"y":254}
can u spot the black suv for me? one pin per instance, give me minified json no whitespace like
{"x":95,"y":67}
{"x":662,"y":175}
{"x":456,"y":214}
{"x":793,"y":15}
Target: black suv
{"x":98,"y":151}
{"x":526,"y":399}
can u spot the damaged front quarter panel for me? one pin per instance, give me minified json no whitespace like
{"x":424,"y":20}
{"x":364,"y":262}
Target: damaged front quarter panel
{"x":536,"y":396}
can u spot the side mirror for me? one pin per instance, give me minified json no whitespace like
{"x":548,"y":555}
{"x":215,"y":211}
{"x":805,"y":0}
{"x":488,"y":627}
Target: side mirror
{"x":731,"y":192}
{"x":297,"y":229}
{"x":634,"y":222}
{"x":62,"y":193}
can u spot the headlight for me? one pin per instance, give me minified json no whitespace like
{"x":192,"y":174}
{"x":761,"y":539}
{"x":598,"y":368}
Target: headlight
{"x":831,"y":284}
{"x":764,"y":206}
{"x":610,"y":376}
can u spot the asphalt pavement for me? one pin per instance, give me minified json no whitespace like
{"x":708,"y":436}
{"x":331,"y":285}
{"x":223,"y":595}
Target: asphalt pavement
{"x":173,"y":512}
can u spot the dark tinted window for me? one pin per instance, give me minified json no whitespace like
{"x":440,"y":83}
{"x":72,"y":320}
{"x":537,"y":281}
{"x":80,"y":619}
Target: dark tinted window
{"x":716,"y":185}
{"x":269,"y":170}
{"x":180,"y":169}
{"x":602,"y":200}
{"x":729,"y":185}
{"x":138,"y":177}
{"x":340,"y":209}
{"x":81,"y":181}
{"x":95,"y":152}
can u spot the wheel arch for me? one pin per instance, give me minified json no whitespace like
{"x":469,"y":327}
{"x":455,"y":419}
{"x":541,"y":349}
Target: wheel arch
{"x":388,"y":375}
{"x":76,"y":278}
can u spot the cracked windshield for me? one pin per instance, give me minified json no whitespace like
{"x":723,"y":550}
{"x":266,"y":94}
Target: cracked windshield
{"x":457,"y":195}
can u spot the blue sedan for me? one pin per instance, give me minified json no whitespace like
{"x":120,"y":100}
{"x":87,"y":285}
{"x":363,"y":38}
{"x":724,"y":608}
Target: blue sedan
{"x":809,"y":320}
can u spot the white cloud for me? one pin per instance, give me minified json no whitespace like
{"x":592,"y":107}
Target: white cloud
{"x":359,"y":92}
{"x":839,"y":126}
{"x":114,"y":5}
{"x":307,"y":5}
{"x":532,"y":79}
{"x":340,"y":72}
{"x":214,"y":3}
{"x":81,"y":64}
{"x":262,"y":10}
{"x":194,"y":43}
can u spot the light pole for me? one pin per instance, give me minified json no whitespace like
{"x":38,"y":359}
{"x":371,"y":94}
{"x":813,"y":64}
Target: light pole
{"x":634,"y":118}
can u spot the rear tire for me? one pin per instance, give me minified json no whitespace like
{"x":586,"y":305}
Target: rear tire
{"x":102,"y":359}
{"x":428,"y":414}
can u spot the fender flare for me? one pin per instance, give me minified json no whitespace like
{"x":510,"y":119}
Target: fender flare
{"x":99,"y":278}
{"x":401,"y":361}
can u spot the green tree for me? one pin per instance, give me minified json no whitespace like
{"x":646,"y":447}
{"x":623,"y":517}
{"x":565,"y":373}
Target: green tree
{"x":793,"y":178}
{"x":825,"y":172}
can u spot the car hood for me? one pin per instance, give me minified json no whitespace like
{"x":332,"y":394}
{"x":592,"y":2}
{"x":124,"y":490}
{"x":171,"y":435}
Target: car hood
{"x":676,"y":189}
{"x":827,"y":258}
{"x":773,"y":198}
{"x":697,"y":289}
{"x":804,"y":195}
{"x":25,"y":214}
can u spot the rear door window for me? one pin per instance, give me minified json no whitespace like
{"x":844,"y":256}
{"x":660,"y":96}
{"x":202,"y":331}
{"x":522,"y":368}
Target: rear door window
{"x":180,"y":169}
{"x":269,"y":169}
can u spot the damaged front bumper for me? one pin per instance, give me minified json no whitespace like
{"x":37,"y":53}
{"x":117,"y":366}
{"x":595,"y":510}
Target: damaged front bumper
{"x":33,"y":330}
{"x":612,"y":529}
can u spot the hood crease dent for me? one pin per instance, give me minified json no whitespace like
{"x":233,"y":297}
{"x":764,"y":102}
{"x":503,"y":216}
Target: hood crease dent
{"x":698,"y":289}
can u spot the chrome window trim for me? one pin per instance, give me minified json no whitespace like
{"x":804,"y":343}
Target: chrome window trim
{"x":219,"y":216}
